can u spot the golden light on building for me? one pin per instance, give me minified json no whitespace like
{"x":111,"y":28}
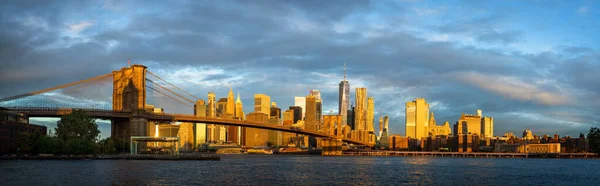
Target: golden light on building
{"x":417,"y":118}
{"x":360,"y":110}
{"x":370,"y":114}
{"x":262,"y":104}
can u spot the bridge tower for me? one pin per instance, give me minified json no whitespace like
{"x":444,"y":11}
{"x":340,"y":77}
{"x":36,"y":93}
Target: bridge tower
{"x":129,"y":94}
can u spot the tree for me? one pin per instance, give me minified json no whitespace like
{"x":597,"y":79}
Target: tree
{"x":594,"y":139}
{"x":77,"y":126}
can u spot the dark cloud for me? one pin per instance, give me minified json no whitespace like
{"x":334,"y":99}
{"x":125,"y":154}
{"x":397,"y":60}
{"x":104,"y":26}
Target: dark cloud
{"x":285,"y":48}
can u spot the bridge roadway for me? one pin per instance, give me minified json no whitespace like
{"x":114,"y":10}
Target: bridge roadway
{"x":111,"y":114}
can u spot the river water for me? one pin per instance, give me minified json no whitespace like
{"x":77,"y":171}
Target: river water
{"x":305,"y":170}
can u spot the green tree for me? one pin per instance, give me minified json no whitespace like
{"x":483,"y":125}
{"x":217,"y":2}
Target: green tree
{"x":594,"y":139}
{"x":77,"y":126}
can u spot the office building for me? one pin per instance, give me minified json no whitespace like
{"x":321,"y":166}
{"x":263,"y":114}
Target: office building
{"x":199,"y":128}
{"x":417,"y":119}
{"x":318,"y":104}
{"x":261,"y":104}
{"x":344,"y":98}
{"x":350,"y":118}
{"x":275,"y":111}
{"x":301,"y":102}
{"x":297,"y":113}
{"x":475,"y":124}
{"x":310,"y":120}
{"x":254,"y":137}
{"x":360,"y":111}
{"x":230,"y":108}
{"x":239,"y":108}
{"x":370,"y":114}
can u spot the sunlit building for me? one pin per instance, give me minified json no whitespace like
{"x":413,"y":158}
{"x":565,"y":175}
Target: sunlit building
{"x":360,"y":110}
{"x":261,"y":104}
{"x":417,"y":119}
{"x":435,"y":130}
{"x":344,"y":98}
{"x":475,"y":124}
{"x":301,"y":102}
{"x":310,"y":119}
{"x":255,"y":137}
{"x":199,"y":128}
{"x":230,"y":108}
{"x":318,"y":104}
{"x":239,"y":108}
{"x":297,"y":113}
{"x":275,"y":111}
{"x":370,"y":114}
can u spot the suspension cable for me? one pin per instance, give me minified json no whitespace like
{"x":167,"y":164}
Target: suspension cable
{"x":169,"y":96}
{"x":173,"y":86}
{"x":178,"y":95}
{"x":54,"y":88}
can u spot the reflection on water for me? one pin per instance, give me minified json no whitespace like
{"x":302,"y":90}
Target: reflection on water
{"x":304,"y":170}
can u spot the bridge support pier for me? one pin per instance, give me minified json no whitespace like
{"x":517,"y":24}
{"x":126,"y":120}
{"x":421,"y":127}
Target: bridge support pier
{"x":331,"y":147}
{"x":123,"y":129}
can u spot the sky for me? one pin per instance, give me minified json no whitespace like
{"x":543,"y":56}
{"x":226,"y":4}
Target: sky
{"x":530,"y":64}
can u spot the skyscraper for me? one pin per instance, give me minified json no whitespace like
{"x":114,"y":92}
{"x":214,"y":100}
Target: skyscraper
{"x":360,"y":111}
{"x":200,"y":128}
{"x":344,"y":98}
{"x":297,"y":113}
{"x":417,"y":118}
{"x":239,"y":108}
{"x":370,"y":114}
{"x":212,"y":105}
{"x":275,"y":111}
{"x":301,"y":102}
{"x":261,"y":104}
{"x":310,"y":120}
{"x":230,"y":109}
{"x":319,"y":103}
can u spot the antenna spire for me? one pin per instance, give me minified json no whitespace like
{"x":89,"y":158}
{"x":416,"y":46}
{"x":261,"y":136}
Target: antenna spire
{"x":344,"y":71}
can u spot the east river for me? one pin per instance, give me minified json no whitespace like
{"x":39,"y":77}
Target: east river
{"x":305,"y":170}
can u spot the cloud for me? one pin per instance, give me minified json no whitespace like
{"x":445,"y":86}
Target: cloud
{"x":513,"y":88}
{"x":75,"y":28}
{"x":582,"y":10}
{"x":284,"y":48}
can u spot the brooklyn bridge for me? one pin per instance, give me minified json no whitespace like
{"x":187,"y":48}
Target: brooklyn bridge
{"x":129,"y":116}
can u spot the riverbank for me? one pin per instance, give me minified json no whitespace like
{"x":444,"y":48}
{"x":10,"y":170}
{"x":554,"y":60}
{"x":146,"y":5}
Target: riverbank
{"x":115,"y":157}
{"x":470,"y":154}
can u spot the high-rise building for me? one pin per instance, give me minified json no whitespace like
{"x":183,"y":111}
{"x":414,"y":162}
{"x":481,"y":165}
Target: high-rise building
{"x":221,"y":107}
{"x":370,"y":114}
{"x":310,"y":120}
{"x":261,"y":104}
{"x":417,"y":119}
{"x":212,"y":105}
{"x":344,"y":98}
{"x":253,"y":136}
{"x":319,"y":103}
{"x":297,"y":113}
{"x":239,"y":108}
{"x":301,"y":102}
{"x":230,"y":108}
{"x":212,"y":129}
{"x":199,"y":128}
{"x":275,"y":111}
{"x":350,"y":118}
{"x":360,"y":111}
{"x":487,"y":126}
{"x":380,"y":125}
{"x":475,"y":124}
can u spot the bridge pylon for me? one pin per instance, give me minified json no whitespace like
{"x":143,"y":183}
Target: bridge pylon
{"x":129,"y":94}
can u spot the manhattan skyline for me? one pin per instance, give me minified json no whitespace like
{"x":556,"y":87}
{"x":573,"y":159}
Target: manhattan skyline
{"x":524,"y":73}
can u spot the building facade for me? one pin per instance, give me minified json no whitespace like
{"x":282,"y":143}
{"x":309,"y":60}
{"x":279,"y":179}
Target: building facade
{"x":344,"y":98}
{"x":417,"y":119}
{"x":262,"y":104}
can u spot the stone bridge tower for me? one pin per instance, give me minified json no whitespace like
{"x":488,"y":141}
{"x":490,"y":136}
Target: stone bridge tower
{"x":129,"y":94}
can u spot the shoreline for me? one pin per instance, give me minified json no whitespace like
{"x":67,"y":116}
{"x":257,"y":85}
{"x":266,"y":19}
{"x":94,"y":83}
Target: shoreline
{"x":116,"y":157}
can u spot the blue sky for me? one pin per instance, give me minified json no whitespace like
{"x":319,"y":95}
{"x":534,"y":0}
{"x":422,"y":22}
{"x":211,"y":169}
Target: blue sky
{"x":529,"y":64}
